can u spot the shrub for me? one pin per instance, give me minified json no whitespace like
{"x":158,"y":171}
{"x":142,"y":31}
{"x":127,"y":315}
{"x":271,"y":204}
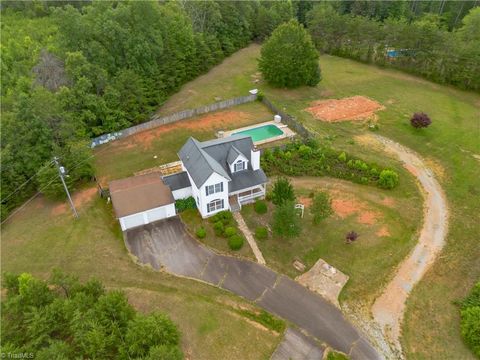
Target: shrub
{"x":342,"y":157}
{"x":470,"y":319}
{"x":184,"y":204}
{"x":201,"y":233}
{"x":420,"y":120}
{"x":230,"y":231}
{"x":235,"y":242}
{"x":219,"y":228}
{"x":260,"y":207}
{"x":286,"y":221}
{"x":225,"y":217}
{"x":261,"y":233}
{"x":351,"y":237}
{"x":305,"y":151}
{"x":321,"y":207}
{"x":282,"y":191}
{"x":388,"y":179}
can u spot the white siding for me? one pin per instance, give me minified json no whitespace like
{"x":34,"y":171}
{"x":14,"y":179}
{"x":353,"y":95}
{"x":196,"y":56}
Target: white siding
{"x":255,"y":155}
{"x":239,"y":157}
{"x":205,"y":199}
{"x":182,"y":193}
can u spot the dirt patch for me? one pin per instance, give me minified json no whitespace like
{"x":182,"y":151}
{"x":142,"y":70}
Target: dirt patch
{"x":353,"y":108}
{"x":345,"y":207}
{"x":367,"y":218}
{"x":388,"y":201}
{"x":208,"y":122}
{"x":306,"y":201}
{"x":79,"y":198}
{"x":383,"y":232}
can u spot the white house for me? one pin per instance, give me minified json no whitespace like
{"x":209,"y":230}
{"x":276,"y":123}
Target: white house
{"x":220,"y":174}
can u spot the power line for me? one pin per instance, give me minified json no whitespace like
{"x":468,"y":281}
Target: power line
{"x":61,"y":173}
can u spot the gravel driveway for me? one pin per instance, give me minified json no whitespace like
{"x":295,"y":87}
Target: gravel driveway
{"x":166,"y":245}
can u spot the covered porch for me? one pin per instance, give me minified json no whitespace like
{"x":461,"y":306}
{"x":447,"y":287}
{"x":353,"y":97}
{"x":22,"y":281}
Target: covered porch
{"x":246,"y":196}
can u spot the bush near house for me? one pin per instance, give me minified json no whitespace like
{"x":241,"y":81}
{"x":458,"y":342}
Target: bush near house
{"x":235,"y":242}
{"x":63,"y":318}
{"x":201,"y":233}
{"x":324,"y":161}
{"x":230,"y":231}
{"x":260,"y":207}
{"x":184,"y":204}
{"x":261,"y":233}
{"x":219,"y":228}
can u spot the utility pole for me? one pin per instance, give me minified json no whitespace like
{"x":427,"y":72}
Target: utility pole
{"x":61,"y":172}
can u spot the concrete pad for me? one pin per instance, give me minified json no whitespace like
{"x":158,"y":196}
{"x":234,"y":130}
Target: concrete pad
{"x":297,"y":346}
{"x":247,"y":278}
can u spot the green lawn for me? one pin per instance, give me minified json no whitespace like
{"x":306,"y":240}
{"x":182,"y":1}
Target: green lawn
{"x":431,"y":329}
{"x":369,"y":211}
{"x":194,"y":221}
{"x":210,"y":319}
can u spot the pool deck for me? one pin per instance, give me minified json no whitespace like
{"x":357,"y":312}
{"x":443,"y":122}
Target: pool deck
{"x":287,"y":132}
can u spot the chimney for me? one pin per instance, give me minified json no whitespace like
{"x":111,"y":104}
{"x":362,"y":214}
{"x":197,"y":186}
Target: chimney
{"x":255,"y":155}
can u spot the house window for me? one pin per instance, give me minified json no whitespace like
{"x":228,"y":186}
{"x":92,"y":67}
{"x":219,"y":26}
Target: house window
{"x":215,"y":205}
{"x":239,"y":165}
{"x":212,"y":189}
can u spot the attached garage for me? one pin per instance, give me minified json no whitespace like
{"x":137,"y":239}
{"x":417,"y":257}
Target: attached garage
{"x":140,"y":200}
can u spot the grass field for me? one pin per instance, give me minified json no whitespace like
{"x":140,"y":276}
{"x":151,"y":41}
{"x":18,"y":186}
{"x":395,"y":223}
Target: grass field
{"x":40,"y":238}
{"x":35,"y":241}
{"x":431,"y":329}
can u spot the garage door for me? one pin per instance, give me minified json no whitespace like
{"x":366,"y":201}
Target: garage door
{"x":160,"y":213}
{"x":132,"y":221}
{"x":156,"y":214}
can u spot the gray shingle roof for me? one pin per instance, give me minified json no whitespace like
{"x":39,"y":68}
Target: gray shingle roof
{"x":245,"y":179}
{"x":177,"y":181}
{"x":201,"y":159}
{"x":199,"y":164}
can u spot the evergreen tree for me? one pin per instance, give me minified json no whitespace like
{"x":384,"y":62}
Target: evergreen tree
{"x":289,"y":58}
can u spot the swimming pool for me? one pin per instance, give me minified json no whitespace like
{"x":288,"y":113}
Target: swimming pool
{"x":262,"y":132}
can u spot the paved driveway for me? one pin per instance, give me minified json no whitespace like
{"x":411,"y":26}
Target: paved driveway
{"x":166,"y":245}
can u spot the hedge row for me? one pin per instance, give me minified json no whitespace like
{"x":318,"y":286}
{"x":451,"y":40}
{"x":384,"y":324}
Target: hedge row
{"x":300,"y":159}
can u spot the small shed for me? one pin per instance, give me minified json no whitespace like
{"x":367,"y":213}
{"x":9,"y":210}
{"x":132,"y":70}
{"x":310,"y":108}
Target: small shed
{"x":140,"y":200}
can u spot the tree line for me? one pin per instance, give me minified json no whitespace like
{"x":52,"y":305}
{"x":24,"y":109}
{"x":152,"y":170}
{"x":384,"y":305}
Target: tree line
{"x":422,"y":46}
{"x":74,"y":70}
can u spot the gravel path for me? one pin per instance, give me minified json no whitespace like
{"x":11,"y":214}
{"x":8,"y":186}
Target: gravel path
{"x":389,"y":308}
{"x":248,"y":235}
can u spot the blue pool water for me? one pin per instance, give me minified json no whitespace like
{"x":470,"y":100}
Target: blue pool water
{"x":262,"y":132}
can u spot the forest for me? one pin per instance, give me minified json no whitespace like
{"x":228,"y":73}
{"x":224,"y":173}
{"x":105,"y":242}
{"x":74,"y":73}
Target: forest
{"x":74,"y":70}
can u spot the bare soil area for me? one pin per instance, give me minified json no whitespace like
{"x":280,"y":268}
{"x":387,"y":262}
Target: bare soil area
{"x":352,"y":108}
{"x":80,"y":198}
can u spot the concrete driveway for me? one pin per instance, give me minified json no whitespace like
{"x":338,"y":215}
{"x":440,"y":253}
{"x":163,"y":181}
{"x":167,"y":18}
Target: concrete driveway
{"x":166,"y":245}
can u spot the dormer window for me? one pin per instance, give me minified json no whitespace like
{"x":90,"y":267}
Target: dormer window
{"x":239,"y":165}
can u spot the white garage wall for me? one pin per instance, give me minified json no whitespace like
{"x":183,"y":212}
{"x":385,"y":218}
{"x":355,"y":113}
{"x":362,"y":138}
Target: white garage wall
{"x":146,"y":217}
{"x":182,"y":193}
